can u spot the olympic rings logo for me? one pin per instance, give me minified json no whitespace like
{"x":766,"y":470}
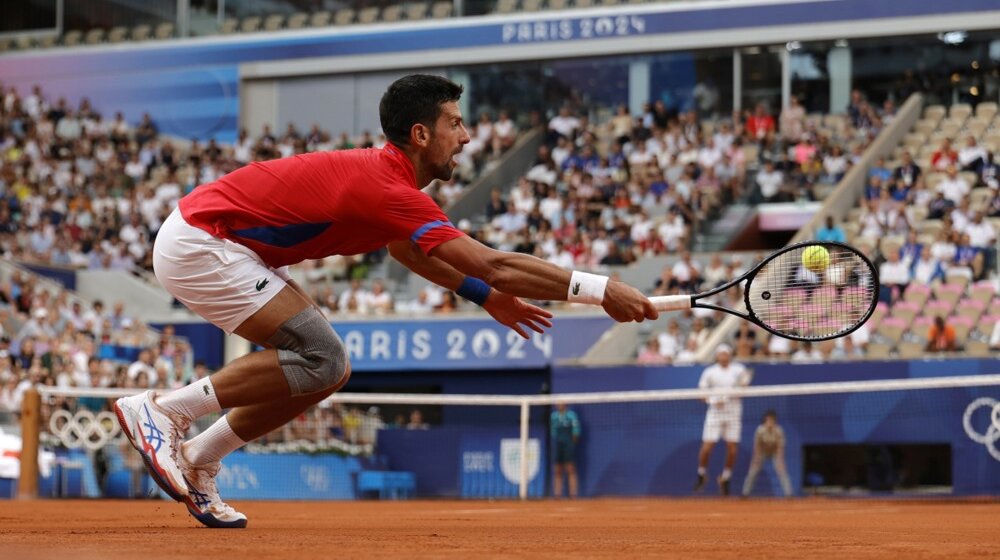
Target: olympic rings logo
{"x":992,"y":434}
{"x":84,"y":428}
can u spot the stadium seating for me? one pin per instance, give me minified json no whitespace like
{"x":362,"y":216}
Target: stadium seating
{"x":274,"y":22}
{"x":298,"y":20}
{"x":344,"y":17}
{"x":229,"y":25}
{"x":250,"y":24}
{"x":164,"y":31}
{"x":118,"y":34}
{"x":141,"y":32}
{"x":321,"y":19}
{"x":72,"y":38}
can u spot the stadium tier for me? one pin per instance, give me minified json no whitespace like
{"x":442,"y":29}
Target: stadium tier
{"x":306,"y":251}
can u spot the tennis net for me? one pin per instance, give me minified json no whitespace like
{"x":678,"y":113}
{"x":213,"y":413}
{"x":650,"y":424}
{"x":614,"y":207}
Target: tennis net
{"x":894,"y":437}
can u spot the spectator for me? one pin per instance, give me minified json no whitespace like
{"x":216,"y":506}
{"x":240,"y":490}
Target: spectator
{"x":926,"y":269}
{"x":989,"y":174}
{"x":355,"y":299}
{"x":504,"y":133}
{"x":417,"y":421}
{"x":761,"y":124}
{"x":564,"y":434}
{"x":770,"y":181}
{"x":944,"y":157}
{"x":982,"y":234}
{"x":831,"y":232}
{"x":908,"y":172}
{"x":807,"y":353}
{"x":968,"y":260}
{"x":621,"y":125}
{"x":768,"y":444}
{"x":835,"y":165}
{"x":941,"y":336}
{"x":564,"y":124}
{"x":379,"y":300}
{"x":496,"y":206}
{"x":894,"y":275}
{"x":650,"y":353}
{"x":670,"y":341}
{"x":688,"y":354}
{"x":143,"y":366}
{"x":954,"y":187}
{"x":972,"y":157}
{"x":939,"y":206}
{"x":856,"y":107}
{"x":724,"y":417}
{"x":793,"y":119}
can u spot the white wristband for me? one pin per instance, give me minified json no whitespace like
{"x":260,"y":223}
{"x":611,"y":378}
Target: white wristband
{"x":587,"y":288}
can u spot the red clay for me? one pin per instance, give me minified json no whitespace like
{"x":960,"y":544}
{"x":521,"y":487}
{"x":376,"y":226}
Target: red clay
{"x":606,"y":528}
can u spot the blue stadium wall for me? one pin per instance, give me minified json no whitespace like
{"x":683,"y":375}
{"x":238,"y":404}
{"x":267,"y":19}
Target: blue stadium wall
{"x":652,"y":448}
{"x":192,"y":87}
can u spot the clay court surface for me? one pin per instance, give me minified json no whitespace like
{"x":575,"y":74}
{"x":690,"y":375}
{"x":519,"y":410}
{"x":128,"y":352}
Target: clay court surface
{"x":150,"y":530}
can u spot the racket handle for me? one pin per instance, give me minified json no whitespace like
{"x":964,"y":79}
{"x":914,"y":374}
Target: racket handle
{"x":671,"y":303}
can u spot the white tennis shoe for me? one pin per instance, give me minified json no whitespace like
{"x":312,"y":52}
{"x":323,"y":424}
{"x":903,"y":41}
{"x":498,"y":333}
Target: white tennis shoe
{"x":157,"y":436}
{"x":203,"y":500}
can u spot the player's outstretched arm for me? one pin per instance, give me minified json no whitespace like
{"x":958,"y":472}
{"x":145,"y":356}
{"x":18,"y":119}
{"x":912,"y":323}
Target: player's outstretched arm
{"x":506,"y":309}
{"x":530,"y":277}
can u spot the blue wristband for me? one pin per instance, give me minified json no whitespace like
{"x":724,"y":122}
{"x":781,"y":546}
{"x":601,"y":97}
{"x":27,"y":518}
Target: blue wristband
{"x":474,"y":290}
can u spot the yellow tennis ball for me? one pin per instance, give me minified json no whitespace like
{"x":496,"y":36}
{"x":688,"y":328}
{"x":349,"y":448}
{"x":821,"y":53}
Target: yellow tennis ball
{"x":816,"y":258}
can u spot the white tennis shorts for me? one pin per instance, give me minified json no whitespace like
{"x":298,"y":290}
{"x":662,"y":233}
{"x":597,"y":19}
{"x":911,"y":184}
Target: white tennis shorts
{"x":222,"y":281}
{"x":723,"y":422}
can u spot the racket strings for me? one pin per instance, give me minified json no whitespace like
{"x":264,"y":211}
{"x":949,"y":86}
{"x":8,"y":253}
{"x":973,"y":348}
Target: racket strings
{"x":791,"y":299}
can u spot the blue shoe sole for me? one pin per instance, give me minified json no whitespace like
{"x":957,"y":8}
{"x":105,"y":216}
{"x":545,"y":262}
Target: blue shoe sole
{"x":208,"y":520}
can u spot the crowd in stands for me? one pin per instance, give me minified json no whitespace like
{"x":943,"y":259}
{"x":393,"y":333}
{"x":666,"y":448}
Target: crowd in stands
{"x":78,"y":190}
{"x":605,"y":194}
{"x":925,"y":223}
{"x":50,"y":338}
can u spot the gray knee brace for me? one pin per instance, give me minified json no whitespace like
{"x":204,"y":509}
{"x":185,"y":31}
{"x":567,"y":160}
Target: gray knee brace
{"x":311,"y":354}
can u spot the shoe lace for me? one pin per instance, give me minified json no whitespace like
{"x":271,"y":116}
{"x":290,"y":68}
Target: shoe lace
{"x":178,"y":431}
{"x":205,"y":475}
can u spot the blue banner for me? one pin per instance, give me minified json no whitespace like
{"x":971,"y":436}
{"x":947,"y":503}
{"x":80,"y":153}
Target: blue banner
{"x":471,"y":461}
{"x":474,"y":343}
{"x":491,"y":464}
{"x":291,"y":476}
{"x":639,"y":448}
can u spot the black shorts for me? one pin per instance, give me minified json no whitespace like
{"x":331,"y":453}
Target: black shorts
{"x":565,"y":452}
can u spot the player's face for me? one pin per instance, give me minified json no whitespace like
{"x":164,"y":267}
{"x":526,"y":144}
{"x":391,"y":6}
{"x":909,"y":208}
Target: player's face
{"x":724,"y":359}
{"x":447,"y":139}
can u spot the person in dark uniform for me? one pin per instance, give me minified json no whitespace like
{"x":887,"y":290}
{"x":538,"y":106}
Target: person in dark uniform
{"x":565,"y":433}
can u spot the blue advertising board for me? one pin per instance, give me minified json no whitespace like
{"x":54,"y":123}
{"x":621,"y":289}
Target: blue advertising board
{"x":471,"y":461}
{"x":473,"y":343}
{"x":652,"y":448}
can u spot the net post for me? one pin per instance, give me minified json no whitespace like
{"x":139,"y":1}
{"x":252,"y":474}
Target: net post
{"x":523,"y":483}
{"x":31,"y":408}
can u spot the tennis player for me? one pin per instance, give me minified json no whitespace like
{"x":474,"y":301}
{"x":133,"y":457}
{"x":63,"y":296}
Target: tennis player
{"x":224,"y":251}
{"x":724,"y":418}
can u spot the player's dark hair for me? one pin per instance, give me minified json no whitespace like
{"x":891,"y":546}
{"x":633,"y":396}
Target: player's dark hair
{"x":413,"y":99}
{"x":771,"y":414}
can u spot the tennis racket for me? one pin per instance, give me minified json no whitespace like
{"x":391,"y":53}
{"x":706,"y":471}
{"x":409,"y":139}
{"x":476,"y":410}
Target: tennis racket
{"x":810,"y":291}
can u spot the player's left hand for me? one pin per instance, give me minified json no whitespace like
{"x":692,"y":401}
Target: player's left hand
{"x":512,"y":312}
